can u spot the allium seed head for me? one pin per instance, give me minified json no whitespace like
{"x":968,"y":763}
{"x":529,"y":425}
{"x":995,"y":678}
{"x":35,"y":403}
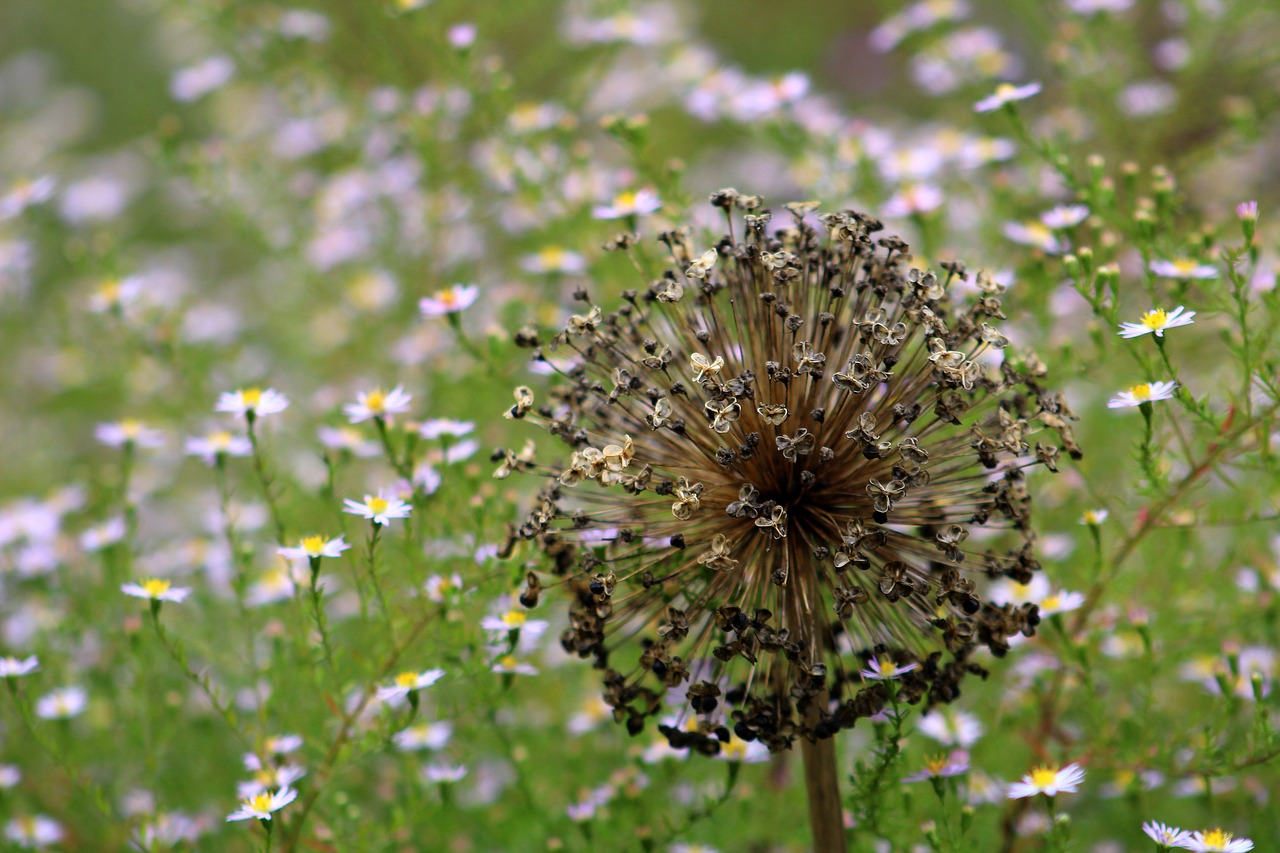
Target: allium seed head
{"x":788,"y":445}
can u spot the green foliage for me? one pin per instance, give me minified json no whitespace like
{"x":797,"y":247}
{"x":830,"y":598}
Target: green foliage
{"x":277,"y":229}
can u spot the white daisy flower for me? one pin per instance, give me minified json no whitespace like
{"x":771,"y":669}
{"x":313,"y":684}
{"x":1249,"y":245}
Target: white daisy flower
{"x":554,"y":259}
{"x":378,"y":404}
{"x":267,"y":778}
{"x":218,"y":443}
{"x":25,"y":193}
{"x":443,"y":774}
{"x":1035,"y":234}
{"x":1064,"y":216}
{"x":114,"y":294}
{"x":1216,"y":841}
{"x":451,"y":301}
{"x":128,"y":431}
{"x":510,"y":665}
{"x":34,"y":831}
{"x":315,"y":547}
{"x":104,"y":535}
{"x":282,"y":744}
{"x":1060,"y":601}
{"x":1183,"y":268}
{"x":423,"y":736}
{"x":62,"y":704}
{"x":883,"y":670}
{"x":11,"y":667}
{"x":1006,"y":93}
{"x":914,"y":199}
{"x":1147,"y":392}
{"x":263,"y":805}
{"x":1049,"y":781}
{"x":252,"y":402}
{"x":378,"y":509}
{"x":1166,"y":836}
{"x":348,"y":440}
{"x":1094,"y":516}
{"x":951,"y":727}
{"x":408,"y":682}
{"x":1157,"y":320}
{"x":437,"y":427}
{"x":438,"y":587}
{"x":156,"y":589}
{"x":637,"y":203}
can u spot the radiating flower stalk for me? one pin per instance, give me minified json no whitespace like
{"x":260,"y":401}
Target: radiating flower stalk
{"x":792,"y":436}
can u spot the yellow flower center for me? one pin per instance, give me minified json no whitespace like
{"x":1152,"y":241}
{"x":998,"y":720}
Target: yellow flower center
{"x":936,"y":764}
{"x":1155,"y":319}
{"x":1039,"y":232}
{"x":448,"y":297}
{"x":1050,"y":602}
{"x":260,"y":803}
{"x":1042,"y":777}
{"x":377,"y":505}
{"x":251,"y":397}
{"x":1006,"y":90}
{"x":514,"y":618}
{"x":156,"y":587}
{"x":109,"y":291}
{"x":888,"y":667}
{"x":1216,"y":838}
{"x":220,"y":440}
{"x":1092,"y":517}
{"x":625,"y":201}
{"x":407,"y":679}
{"x":313,"y":545}
{"x":1185,"y":266}
{"x":131,"y":428}
{"x":1141,"y":392}
{"x":551,"y":256}
{"x":509,"y":662}
{"x":375,"y":401}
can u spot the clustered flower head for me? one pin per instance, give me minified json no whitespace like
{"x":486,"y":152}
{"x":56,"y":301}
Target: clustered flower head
{"x":778,"y":452}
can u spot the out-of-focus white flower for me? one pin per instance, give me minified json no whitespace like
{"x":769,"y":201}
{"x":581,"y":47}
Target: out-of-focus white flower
{"x":914,"y":200}
{"x":195,"y":81}
{"x":378,"y":404}
{"x":450,"y":301}
{"x":218,"y":443}
{"x":409,"y":682}
{"x":636,"y":203}
{"x":1006,"y":93}
{"x":156,"y":589}
{"x":129,"y":431}
{"x":62,"y":704}
{"x":1183,"y":268}
{"x":252,"y":402}
{"x":1064,"y":216}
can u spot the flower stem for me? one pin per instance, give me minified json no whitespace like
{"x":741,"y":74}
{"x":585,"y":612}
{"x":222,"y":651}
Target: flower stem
{"x":822,"y":785}
{"x":260,"y":468}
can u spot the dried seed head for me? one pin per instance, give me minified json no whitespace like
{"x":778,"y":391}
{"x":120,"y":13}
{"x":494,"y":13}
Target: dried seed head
{"x":792,"y":438}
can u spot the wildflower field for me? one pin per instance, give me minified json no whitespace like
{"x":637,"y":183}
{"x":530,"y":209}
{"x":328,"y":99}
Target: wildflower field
{"x":573,"y":425}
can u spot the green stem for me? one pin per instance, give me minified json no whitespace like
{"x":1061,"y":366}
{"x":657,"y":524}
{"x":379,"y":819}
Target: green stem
{"x":260,"y":468}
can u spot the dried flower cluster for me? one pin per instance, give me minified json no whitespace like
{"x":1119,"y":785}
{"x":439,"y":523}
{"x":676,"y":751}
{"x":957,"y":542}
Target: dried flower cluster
{"x":780,"y":451}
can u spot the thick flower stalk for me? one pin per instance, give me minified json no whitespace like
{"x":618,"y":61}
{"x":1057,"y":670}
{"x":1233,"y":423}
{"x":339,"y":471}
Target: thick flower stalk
{"x":791,"y":457}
